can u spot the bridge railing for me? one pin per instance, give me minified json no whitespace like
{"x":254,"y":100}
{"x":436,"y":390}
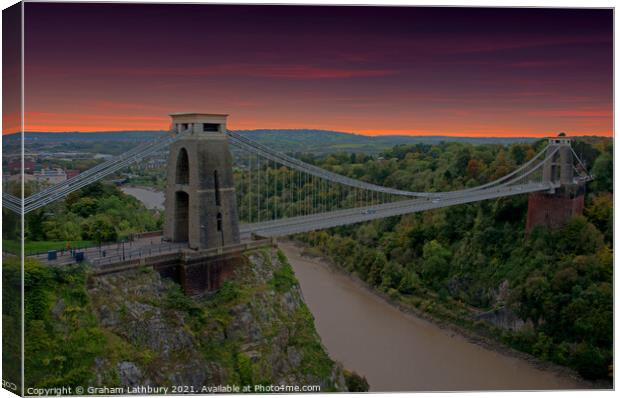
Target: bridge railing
{"x":137,"y":254}
{"x":143,"y":253}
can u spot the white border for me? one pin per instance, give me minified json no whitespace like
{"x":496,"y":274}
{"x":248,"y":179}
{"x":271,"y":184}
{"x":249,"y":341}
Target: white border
{"x":496,"y":3}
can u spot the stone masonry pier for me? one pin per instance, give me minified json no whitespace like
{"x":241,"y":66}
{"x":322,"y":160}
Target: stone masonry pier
{"x":197,"y":271}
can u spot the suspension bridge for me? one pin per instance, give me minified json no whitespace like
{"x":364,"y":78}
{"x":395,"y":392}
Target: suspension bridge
{"x":216,"y":197}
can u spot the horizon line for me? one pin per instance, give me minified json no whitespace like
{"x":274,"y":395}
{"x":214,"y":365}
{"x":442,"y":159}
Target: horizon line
{"x":610,"y":135}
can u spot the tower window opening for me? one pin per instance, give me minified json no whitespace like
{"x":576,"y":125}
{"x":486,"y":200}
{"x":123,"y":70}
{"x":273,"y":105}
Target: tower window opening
{"x":219,"y":221}
{"x":182,"y":172}
{"x":216,"y":187}
{"x":212,"y":127}
{"x":185,"y":126}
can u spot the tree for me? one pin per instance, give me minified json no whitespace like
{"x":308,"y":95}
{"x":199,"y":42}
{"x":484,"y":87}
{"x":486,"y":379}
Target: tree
{"x":391,"y":275}
{"x":600,"y":213}
{"x":590,"y":361}
{"x":355,"y":382}
{"x":435,"y":261}
{"x":409,"y":282}
{"x":564,"y":279}
{"x":518,"y":153}
{"x":501,"y":165}
{"x":367,"y":234}
{"x":603,"y":171}
{"x":84,"y":207}
{"x":100,"y":228}
{"x":34,"y":225}
{"x":580,"y":237}
{"x":473,"y":168}
{"x":532,"y":297}
{"x":65,"y":227}
{"x":376,"y":269}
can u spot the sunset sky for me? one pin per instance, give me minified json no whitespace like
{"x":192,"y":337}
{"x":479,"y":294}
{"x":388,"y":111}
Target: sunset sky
{"x":368,"y":70}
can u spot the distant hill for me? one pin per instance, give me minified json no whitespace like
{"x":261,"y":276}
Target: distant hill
{"x":97,"y":136}
{"x":297,"y":140}
{"x":322,"y":141}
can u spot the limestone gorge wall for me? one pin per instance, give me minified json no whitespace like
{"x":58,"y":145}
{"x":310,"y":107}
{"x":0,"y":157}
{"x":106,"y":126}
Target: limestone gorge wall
{"x":255,"y":330}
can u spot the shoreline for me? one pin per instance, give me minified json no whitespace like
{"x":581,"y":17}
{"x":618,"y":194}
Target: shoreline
{"x":469,"y":335}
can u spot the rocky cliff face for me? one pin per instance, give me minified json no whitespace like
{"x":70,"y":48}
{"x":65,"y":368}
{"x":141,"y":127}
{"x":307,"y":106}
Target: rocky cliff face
{"x":255,"y":330}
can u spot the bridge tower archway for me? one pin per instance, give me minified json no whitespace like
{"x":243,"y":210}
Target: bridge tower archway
{"x":201,"y":206}
{"x":181,"y":217}
{"x":182,"y":168}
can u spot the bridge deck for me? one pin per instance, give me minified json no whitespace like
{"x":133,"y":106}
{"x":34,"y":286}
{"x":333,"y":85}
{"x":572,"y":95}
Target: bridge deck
{"x":294,"y":225}
{"x":154,"y":246}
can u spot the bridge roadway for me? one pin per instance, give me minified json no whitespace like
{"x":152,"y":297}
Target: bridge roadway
{"x":295,"y":225}
{"x":146,"y":247}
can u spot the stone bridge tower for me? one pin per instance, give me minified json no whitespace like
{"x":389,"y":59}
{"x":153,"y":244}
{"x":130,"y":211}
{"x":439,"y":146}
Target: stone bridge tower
{"x":553,"y":209}
{"x":558,"y":168}
{"x":201,"y":206}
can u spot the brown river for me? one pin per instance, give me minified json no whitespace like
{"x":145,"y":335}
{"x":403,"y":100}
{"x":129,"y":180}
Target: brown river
{"x":398,"y":351}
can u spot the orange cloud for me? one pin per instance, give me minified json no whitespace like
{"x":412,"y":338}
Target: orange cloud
{"x":573,"y":113}
{"x":11,"y":122}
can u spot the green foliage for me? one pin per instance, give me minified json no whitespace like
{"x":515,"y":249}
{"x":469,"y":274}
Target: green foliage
{"x":600,"y":212}
{"x":355,"y":382}
{"x":65,"y":227}
{"x":84,"y":207}
{"x":283,"y":277}
{"x":38,"y":283}
{"x":376,"y":269}
{"x":435,"y":261}
{"x":603,"y":171}
{"x":592,"y":362}
{"x":60,"y":345}
{"x":580,"y":237}
{"x":99,"y":228}
{"x":177,"y":300}
{"x":410,"y":282}
{"x":315,"y":360}
{"x":98,"y":212}
{"x":229,"y":292}
{"x":11,"y":319}
{"x":391,"y":276}
{"x":243,"y":366}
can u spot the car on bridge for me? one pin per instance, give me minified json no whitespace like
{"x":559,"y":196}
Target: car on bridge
{"x":369,"y":211}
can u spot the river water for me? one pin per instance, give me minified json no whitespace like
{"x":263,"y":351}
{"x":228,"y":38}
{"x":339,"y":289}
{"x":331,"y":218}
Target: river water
{"x":398,"y":351}
{"x":152,"y":199}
